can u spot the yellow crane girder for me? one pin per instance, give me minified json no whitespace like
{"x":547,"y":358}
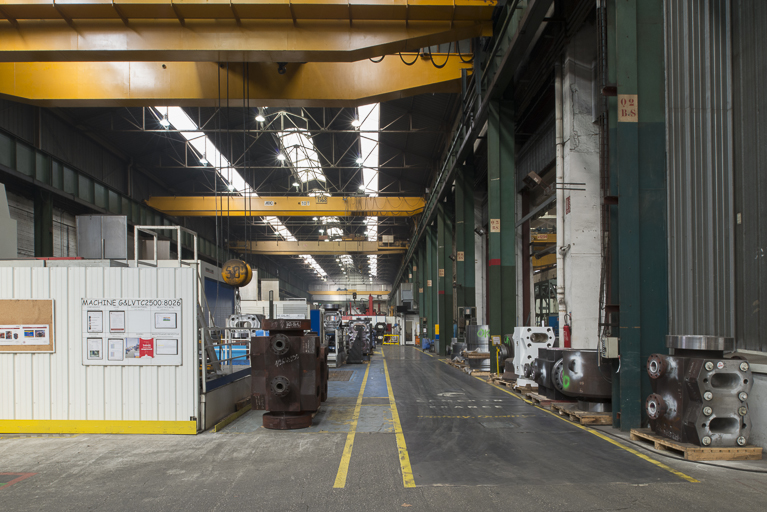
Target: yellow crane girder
{"x":360,"y":293}
{"x":315,"y":248}
{"x":319,"y":84}
{"x":295,"y":10}
{"x":287,"y":206}
{"x":222,"y":40}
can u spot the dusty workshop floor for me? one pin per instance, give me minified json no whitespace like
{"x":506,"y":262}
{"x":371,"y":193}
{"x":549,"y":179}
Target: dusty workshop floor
{"x":420,"y":436}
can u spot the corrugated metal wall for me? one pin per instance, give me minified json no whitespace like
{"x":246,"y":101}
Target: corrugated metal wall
{"x":749,"y":67}
{"x":22,"y":211}
{"x":700,"y":167}
{"x":58,"y":387}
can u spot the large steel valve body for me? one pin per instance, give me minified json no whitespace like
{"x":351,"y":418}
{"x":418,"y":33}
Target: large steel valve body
{"x":289,"y":374}
{"x":699,"y":396}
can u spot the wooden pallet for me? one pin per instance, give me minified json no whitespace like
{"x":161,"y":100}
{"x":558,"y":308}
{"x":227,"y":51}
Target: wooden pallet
{"x":574,"y":414}
{"x":496,"y":380}
{"x":545,"y":401}
{"x":693,"y":452}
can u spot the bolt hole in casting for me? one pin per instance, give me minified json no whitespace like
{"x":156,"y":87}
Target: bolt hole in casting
{"x":725,"y":380}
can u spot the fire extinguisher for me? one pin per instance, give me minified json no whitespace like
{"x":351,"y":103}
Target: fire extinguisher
{"x":566,"y":331}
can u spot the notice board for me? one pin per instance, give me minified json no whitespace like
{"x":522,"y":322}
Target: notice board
{"x":131,"y":332}
{"x":26,"y":325}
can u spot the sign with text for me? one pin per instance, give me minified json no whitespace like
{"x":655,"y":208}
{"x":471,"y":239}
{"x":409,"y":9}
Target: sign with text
{"x":459,"y":256}
{"x":131,"y":332}
{"x":495,"y":225}
{"x":628,"y":108}
{"x":428,"y":282}
{"x":442,"y":272}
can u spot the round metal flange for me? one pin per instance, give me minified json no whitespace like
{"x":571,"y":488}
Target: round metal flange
{"x":280,"y":344}
{"x":655,"y":406}
{"x":557,"y":375}
{"x":287,"y":420}
{"x":280,"y":386}
{"x":683,"y":342}
{"x":656,"y":366}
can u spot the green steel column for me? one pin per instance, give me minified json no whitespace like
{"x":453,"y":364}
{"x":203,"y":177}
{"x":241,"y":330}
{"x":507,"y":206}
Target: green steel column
{"x":433,"y":276}
{"x":460,"y":236}
{"x":640,"y":141}
{"x":468,"y":236}
{"x":500,"y":156}
{"x":446,"y":314}
{"x":508,"y":222}
{"x":441,"y":275}
{"x":428,"y":298}
{"x":612,"y":106}
{"x":421,"y":286}
{"x":43,"y":218}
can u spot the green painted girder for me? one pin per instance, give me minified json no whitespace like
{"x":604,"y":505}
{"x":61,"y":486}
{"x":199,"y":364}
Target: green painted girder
{"x":511,"y":43}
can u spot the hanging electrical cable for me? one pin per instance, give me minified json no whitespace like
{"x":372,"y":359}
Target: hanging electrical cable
{"x":458,"y":51}
{"x":406,"y":62}
{"x":447,"y":58}
{"x":379,"y":60}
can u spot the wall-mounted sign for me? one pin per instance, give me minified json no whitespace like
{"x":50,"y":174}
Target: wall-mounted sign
{"x":496,"y":339}
{"x":628,"y":108}
{"x":428,"y":282}
{"x":420,"y":290}
{"x":131,"y":332}
{"x":26,"y":325}
{"x":459,"y":256}
{"x":415,"y":268}
{"x":442,"y":272}
{"x":495,"y":225}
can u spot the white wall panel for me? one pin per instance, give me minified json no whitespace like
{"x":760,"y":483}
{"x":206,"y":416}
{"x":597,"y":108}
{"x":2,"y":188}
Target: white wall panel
{"x":58,"y":386}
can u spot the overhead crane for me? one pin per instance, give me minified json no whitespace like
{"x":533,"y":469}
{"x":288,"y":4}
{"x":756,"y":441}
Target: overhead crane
{"x":146,"y":52}
{"x":316,"y":248}
{"x":287,"y":206}
{"x":207,"y":84}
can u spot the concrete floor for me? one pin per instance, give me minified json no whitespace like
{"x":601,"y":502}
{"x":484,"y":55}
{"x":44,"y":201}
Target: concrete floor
{"x":471,"y":447}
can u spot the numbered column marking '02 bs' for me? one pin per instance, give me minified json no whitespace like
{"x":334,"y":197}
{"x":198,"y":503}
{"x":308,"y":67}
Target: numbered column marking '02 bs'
{"x":628,"y":108}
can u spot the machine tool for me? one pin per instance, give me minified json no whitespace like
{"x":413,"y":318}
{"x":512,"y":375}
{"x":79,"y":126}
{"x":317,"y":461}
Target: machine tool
{"x":289,"y":374}
{"x":699,"y":396}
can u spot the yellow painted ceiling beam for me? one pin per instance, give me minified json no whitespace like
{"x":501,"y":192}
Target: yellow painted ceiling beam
{"x":359,"y":293}
{"x":315,"y":248}
{"x":287,"y":206}
{"x":294,"y":10}
{"x":329,"y":84}
{"x":226,"y":40}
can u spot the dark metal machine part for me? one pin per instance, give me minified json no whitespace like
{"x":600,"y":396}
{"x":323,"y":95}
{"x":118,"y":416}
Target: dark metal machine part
{"x":289,"y":374}
{"x":542,"y":371}
{"x":583,"y":378}
{"x":699,"y":396}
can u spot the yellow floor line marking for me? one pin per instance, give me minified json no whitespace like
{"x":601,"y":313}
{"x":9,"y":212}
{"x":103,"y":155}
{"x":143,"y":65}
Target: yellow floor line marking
{"x":603,"y":437}
{"x":597,"y":433}
{"x":404,"y":457}
{"x":343,"y":467}
{"x":226,"y":421}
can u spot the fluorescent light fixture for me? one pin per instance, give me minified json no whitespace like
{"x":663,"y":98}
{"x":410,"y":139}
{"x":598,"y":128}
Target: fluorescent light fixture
{"x":295,"y":184}
{"x":188,"y":129}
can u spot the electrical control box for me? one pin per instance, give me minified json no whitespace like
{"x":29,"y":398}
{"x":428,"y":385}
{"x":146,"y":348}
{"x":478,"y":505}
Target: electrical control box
{"x":608,"y":348}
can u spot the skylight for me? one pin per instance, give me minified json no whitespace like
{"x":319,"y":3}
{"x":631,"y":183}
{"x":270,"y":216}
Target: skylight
{"x":300,"y":151}
{"x":369,"y":115}
{"x":208,"y":152}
